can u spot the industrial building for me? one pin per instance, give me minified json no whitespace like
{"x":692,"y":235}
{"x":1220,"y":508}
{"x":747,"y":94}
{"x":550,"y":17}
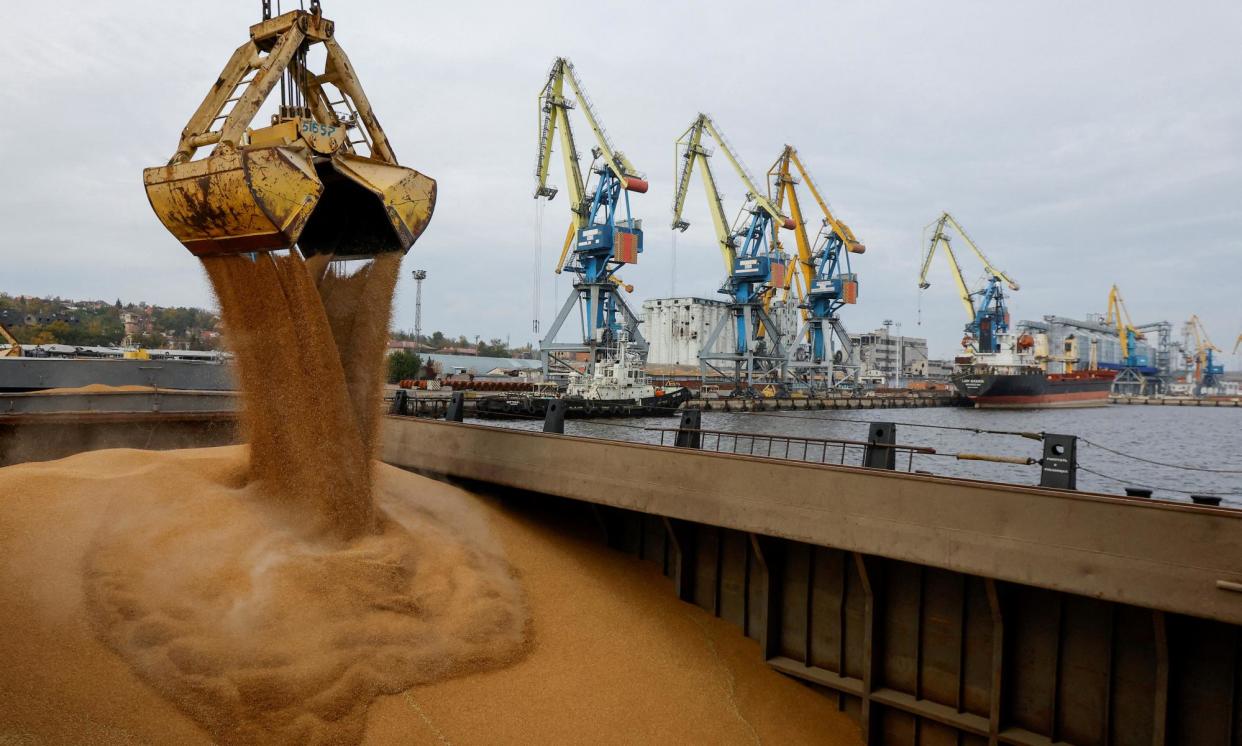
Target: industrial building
{"x":677,"y":328}
{"x":1075,"y":344}
{"x":883,"y":352}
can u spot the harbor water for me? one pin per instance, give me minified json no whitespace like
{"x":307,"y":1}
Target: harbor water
{"x":1196,"y":438}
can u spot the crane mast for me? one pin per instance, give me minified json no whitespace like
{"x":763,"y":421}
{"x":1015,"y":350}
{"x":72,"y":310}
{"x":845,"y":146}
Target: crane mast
{"x":989,"y":316}
{"x":753,"y":264}
{"x":603,"y":235}
{"x":825,"y":280}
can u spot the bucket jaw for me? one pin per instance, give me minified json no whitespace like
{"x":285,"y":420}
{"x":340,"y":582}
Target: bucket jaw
{"x":304,"y":181}
{"x":368,"y":207}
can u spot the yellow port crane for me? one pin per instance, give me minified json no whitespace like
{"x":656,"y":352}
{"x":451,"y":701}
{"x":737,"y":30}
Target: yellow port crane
{"x":1237,"y":344}
{"x":602,"y":237}
{"x":14,"y":347}
{"x":322,"y":176}
{"x":1119,"y":317}
{"x":1206,"y":369}
{"x":749,"y":249}
{"x":826,"y":282}
{"x":989,"y":317}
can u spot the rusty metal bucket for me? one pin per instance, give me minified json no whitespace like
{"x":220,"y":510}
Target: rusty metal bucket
{"x":268,"y":198}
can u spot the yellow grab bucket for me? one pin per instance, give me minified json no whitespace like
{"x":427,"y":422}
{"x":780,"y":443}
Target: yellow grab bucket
{"x":268,"y":198}
{"x":237,"y":201}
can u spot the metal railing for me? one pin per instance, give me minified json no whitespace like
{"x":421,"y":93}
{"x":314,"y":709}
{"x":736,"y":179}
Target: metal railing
{"x":788,"y":447}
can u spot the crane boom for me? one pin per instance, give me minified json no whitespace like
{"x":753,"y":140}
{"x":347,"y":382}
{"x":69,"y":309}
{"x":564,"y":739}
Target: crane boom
{"x":940,"y":239}
{"x":851,"y":242}
{"x":987,"y":263}
{"x":692,"y":150}
{"x":695,"y":152}
{"x":753,"y":192}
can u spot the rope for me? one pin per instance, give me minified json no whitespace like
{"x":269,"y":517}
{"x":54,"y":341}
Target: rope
{"x":1160,"y":463}
{"x":1153,"y":486}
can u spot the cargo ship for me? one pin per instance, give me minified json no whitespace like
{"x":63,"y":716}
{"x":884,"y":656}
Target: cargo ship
{"x":1011,"y":379}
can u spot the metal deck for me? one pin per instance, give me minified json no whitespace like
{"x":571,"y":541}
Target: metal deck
{"x":937,"y":610}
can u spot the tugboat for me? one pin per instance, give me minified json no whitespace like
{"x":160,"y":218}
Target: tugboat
{"x":1010,"y":378}
{"x":614,"y":387}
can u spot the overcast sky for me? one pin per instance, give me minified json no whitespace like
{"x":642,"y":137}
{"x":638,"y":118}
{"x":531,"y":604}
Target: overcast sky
{"x":1081,"y":144}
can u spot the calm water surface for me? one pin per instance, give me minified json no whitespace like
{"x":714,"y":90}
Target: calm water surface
{"x":1190,"y":436}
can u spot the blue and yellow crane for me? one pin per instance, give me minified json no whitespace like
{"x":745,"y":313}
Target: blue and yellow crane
{"x":603,"y":234}
{"x":1128,"y":334}
{"x":989,"y":317}
{"x":825,"y":282}
{"x":1207,"y":371}
{"x":753,"y":265}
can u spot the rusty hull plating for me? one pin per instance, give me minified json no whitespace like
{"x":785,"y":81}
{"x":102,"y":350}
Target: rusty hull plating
{"x":301,"y":181}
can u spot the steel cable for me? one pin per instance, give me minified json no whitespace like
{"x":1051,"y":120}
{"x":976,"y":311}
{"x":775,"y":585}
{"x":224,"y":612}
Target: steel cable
{"x":1159,"y":463}
{"x":1153,"y":486}
{"x":975,"y":430}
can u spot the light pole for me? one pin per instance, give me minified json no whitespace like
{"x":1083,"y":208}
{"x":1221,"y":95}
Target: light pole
{"x":900,"y":350}
{"x":419,"y":276}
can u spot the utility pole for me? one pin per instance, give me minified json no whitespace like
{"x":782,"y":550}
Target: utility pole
{"x":419,"y":276}
{"x":900,"y":349}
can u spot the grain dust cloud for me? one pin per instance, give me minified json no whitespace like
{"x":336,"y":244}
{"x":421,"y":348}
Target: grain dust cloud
{"x":279,"y":595}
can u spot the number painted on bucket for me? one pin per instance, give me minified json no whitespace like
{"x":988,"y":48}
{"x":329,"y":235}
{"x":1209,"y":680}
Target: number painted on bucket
{"x":315,"y":128}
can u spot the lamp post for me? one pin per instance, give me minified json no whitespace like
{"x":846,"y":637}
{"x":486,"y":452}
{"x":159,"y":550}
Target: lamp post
{"x":419,"y":276}
{"x":900,"y":349}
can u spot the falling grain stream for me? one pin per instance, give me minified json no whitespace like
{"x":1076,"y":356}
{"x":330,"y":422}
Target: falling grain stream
{"x":285,"y":598}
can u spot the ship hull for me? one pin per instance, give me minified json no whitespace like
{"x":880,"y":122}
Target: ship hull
{"x":1034,"y":390}
{"x":578,"y":407}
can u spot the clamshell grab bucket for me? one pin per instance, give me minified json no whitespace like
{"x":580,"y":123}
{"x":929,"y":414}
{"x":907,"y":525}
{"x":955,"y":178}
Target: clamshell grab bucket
{"x":247,"y":200}
{"x":265,"y":199}
{"x":368,"y":207}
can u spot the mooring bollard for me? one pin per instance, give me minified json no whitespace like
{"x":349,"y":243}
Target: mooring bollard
{"x":1060,"y":462}
{"x":1205,"y":499}
{"x":554,"y":417}
{"x":689,"y":431}
{"x":398,"y":402}
{"x":456,"y":411}
{"x":879,"y":453}
{"x":1138,"y":492}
